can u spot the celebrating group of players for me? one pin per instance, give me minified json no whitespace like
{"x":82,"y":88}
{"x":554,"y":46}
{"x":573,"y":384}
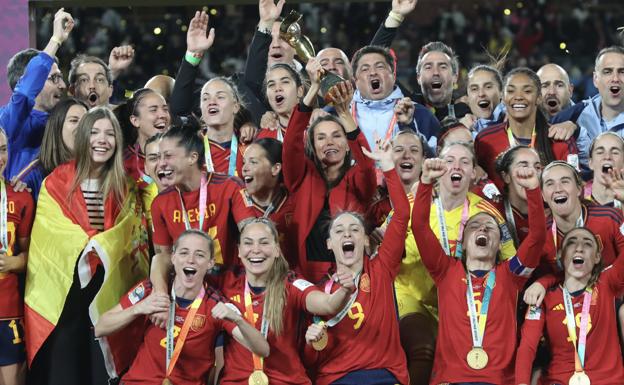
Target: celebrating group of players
{"x":263,"y":231}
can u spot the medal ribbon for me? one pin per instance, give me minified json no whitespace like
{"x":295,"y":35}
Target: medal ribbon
{"x":258,"y":361}
{"x":580,"y":222}
{"x":144,"y":177}
{"x":233,"y":155}
{"x":512,"y":221}
{"x":4,"y":236}
{"x":579,"y":351}
{"x":444,"y":238}
{"x":477,"y":327}
{"x":172,"y":354}
{"x":203,"y":197}
{"x":343,"y":312}
{"x":512,"y":140}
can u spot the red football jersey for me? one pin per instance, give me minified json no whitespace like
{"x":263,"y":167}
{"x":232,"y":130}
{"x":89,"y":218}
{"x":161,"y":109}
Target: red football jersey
{"x":368,"y":336}
{"x":273,"y":134}
{"x":607,"y":223}
{"x":454,"y":334}
{"x":521,"y":221}
{"x":220,"y":153}
{"x":223,"y":197}
{"x":282,"y":216}
{"x":20,"y":214}
{"x":492,"y":141}
{"x":197,"y":355}
{"x":283,"y":366}
{"x":603,"y":359}
{"x":134,"y":164}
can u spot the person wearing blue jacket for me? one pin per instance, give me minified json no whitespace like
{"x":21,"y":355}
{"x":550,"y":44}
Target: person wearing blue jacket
{"x":39,"y":88}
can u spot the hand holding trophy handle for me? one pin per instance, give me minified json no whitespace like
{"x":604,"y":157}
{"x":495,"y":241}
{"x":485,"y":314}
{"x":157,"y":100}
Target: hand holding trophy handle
{"x":290,"y":31}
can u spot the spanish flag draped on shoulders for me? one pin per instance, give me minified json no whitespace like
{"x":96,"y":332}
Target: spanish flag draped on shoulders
{"x":64,"y":241}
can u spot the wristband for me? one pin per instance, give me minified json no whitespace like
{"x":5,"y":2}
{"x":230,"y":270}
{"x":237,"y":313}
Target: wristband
{"x":193,"y":58}
{"x":396,"y":16}
{"x":54,"y":39}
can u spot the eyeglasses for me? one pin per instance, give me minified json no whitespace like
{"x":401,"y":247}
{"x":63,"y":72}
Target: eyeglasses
{"x":56,"y":78}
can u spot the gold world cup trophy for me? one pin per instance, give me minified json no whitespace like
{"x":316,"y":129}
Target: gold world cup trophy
{"x":290,"y":31}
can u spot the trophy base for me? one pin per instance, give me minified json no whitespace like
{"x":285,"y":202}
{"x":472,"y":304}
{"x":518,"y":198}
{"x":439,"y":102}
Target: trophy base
{"x":329,"y":80}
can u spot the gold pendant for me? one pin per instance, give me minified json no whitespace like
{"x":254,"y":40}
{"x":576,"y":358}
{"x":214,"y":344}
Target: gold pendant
{"x":579,"y":378}
{"x":477,"y":358}
{"x":258,"y":378}
{"x":166,"y":381}
{"x":321,"y":343}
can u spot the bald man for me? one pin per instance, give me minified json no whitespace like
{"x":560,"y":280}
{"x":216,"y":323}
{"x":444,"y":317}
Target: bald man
{"x":162,"y":84}
{"x":556,"y":89}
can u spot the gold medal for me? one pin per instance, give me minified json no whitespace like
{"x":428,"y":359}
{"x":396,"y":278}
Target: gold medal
{"x":321,"y":343}
{"x":258,"y":378}
{"x":579,"y":378}
{"x":166,"y":381}
{"x":477,"y":358}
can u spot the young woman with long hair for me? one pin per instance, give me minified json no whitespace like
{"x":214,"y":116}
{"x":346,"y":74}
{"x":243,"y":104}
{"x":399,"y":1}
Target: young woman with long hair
{"x":577,"y":318}
{"x":88,"y":222}
{"x":272,"y":299}
{"x":526,"y":124}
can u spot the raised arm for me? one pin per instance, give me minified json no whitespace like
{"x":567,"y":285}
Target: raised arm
{"x":530,"y":250}
{"x":295,"y":170}
{"x":531,"y":333}
{"x":388,"y":29}
{"x":198,"y":41}
{"x":393,"y":244}
{"x":431,"y":252}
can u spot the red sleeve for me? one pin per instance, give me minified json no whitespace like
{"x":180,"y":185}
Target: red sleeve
{"x":561,"y":150}
{"x":530,"y":249}
{"x":531,"y":333}
{"x":431,"y":253}
{"x":393,"y":245}
{"x":135,"y":295}
{"x":548,"y":281}
{"x":27,"y":216}
{"x":240,"y":210}
{"x":159,"y":226}
{"x":617,"y":230}
{"x":480,"y":151}
{"x":364,"y":179}
{"x":294,"y":171}
{"x":299,"y":289}
{"x":614,"y":275}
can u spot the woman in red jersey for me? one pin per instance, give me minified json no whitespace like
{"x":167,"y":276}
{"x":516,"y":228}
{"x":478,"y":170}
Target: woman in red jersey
{"x":183,"y":352}
{"x":283,"y":89}
{"x":142,"y":116}
{"x":514,"y":205}
{"x":477,"y":293}
{"x":16,"y":216}
{"x":588,"y":351}
{"x":265,"y":193}
{"x":361,"y":344}
{"x":272,"y":299}
{"x":525,"y":124}
{"x":328,"y":175}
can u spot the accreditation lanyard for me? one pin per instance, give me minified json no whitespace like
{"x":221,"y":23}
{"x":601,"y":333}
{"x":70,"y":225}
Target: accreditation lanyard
{"x":258,"y":361}
{"x":580,"y":222}
{"x":477,"y":327}
{"x":4,"y":237}
{"x":233,"y":155}
{"x":280,"y":136}
{"x":343,"y":312}
{"x":579,"y":350}
{"x":203,"y":197}
{"x":512,"y":221}
{"x":513,"y":142}
{"x":144,"y":177}
{"x":174,"y":353}
{"x":390,"y":129}
{"x":444,"y":237}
